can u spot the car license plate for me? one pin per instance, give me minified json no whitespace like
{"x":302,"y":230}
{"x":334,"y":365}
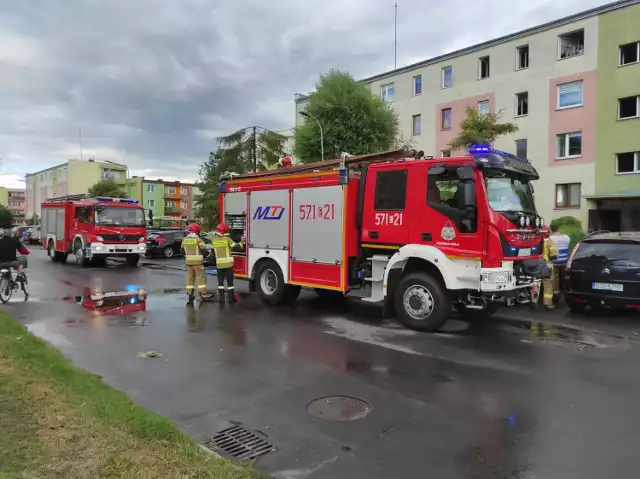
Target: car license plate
{"x":607,"y":287}
{"x":524,"y":252}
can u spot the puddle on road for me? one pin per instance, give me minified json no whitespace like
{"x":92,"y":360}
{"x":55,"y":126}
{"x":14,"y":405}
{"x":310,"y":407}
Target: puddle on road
{"x":567,"y":337}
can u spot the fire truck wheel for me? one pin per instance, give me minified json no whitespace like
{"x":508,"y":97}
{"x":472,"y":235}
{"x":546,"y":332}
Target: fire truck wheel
{"x":270,"y":282}
{"x":81,"y":259}
{"x":51,"y":250}
{"x":421,"y":302}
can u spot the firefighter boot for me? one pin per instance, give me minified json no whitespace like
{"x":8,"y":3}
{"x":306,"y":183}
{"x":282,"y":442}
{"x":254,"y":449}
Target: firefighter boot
{"x":191,"y":299}
{"x":231,"y":296}
{"x":220,"y":295}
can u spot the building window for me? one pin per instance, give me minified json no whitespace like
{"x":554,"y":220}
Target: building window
{"x":521,"y":148}
{"x":388,"y":92}
{"x":417,"y":85}
{"x":183,"y":190}
{"x":151,"y":203}
{"x":183,"y":205}
{"x":629,"y":53}
{"x":446,"y":119}
{"x":568,"y":195}
{"x":522,"y":103}
{"x":391,"y":190}
{"x":170,"y":190}
{"x":570,"y":94}
{"x":416,"y":125}
{"x":627,"y":163}
{"x":445,"y":153}
{"x":522,"y":57}
{"x":447,"y":77}
{"x":483,"y":67}
{"x":568,"y":145}
{"x":483,"y":107}
{"x":629,"y":107}
{"x":151,"y":188}
{"x":170,"y":204}
{"x":571,"y":44}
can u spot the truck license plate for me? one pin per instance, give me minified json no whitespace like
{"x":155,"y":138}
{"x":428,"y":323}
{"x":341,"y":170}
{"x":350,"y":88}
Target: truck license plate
{"x":524,"y":252}
{"x":607,"y":287}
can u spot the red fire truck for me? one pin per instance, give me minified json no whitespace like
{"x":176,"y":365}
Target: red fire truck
{"x":118,"y":303}
{"x":418,"y":235}
{"x":93,"y":229}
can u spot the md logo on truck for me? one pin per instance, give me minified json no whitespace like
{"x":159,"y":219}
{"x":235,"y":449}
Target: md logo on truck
{"x":268,"y":213}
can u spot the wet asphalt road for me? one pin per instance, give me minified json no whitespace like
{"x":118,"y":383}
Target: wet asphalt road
{"x":489,"y":401}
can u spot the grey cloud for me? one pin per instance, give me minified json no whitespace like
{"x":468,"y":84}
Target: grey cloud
{"x":152,"y":82}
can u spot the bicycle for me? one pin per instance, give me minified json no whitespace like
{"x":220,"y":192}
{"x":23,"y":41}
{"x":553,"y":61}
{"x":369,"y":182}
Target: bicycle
{"x":9,"y":283}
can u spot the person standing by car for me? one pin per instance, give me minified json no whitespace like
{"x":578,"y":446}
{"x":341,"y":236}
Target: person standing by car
{"x":561,"y":242}
{"x":193,"y":249}
{"x":222,"y":244}
{"x":550,"y":254}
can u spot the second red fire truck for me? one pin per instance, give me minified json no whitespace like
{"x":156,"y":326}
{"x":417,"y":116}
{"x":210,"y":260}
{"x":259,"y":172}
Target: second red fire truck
{"x":93,"y":229}
{"x":418,"y":235}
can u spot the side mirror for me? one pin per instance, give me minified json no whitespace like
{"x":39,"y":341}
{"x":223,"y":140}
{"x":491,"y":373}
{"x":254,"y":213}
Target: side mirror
{"x":469,"y":194}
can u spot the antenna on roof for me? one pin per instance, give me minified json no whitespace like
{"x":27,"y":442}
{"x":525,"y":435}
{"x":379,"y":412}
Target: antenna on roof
{"x":395,"y":36}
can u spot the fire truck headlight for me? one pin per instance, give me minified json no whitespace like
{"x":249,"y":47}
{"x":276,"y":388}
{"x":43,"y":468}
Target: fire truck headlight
{"x":99,"y":238}
{"x":522,"y":221}
{"x":141,"y":239}
{"x":528,"y":221}
{"x":498,"y":277}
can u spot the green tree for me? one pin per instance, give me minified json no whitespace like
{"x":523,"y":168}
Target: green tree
{"x":353,"y":120}
{"x":571,"y":226}
{"x":210,"y":172}
{"x":479,"y":128}
{"x":6,"y":217}
{"x":251,"y":149}
{"x":150,"y":222}
{"x":109,"y":188}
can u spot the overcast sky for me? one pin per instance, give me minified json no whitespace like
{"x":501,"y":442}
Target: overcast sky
{"x":152,"y":83}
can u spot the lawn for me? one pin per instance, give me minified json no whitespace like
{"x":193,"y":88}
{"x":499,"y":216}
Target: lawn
{"x":59,"y":421}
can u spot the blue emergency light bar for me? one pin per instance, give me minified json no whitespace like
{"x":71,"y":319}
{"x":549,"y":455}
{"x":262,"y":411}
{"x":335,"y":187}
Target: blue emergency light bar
{"x":116,"y":200}
{"x":486,"y":149}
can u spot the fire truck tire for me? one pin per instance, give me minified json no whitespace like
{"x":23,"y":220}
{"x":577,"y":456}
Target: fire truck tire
{"x":81,"y":259}
{"x":51,"y":251}
{"x":421,"y":302}
{"x":270,"y":283}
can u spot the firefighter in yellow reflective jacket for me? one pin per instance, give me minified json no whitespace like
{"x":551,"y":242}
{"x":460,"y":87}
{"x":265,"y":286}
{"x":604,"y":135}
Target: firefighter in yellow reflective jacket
{"x":193,"y":249}
{"x":550,"y":253}
{"x":222,"y":244}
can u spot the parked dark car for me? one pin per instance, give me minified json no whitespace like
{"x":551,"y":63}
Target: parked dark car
{"x":166,"y":242}
{"x":604,"y":271}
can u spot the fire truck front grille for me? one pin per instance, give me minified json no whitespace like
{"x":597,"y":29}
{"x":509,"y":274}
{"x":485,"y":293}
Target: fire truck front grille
{"x":120,"y":238}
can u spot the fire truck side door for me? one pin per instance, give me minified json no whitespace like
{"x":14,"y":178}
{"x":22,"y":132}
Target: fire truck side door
{"x":82,"y":220}
{"x":384,"y":218}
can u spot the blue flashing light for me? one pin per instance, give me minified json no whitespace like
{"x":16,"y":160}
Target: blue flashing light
{"x":106,"y":199}
{"x":485,"y":149}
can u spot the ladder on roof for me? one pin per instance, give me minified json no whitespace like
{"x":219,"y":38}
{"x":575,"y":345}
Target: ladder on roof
{"x":83,"y":196}
{"x":349,"y":161}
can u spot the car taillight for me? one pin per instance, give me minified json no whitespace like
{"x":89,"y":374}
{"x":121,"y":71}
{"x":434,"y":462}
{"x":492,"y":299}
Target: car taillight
{"x":160,"y":240}
{"x":571,"y":256}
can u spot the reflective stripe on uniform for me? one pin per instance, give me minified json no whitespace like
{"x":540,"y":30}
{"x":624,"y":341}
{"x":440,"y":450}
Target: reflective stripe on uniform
{"x":229,"y":258}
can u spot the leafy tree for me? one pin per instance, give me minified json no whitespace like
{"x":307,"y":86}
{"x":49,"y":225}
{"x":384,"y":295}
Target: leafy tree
{"x":6,"y":217}
{"x":478,"y":128}
{"x":109,"y":188}
{"x":251,"y":149}
{"x":210,"y":172}
{"x":150,"y":218}
{"x":353,"y":120}
{"x":571,"y":226}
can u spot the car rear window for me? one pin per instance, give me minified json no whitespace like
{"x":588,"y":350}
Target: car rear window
{"x":620,"y":252}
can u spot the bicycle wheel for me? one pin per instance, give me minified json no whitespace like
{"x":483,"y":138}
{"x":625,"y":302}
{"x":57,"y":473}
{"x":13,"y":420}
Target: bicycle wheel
{"x":25,"y":286}
{"x":6,"y":289}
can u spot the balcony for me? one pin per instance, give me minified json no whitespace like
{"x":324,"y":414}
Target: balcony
{"x":173,"y":210}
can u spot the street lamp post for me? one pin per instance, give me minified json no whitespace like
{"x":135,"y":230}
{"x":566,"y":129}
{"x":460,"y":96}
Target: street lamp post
{"x":305,"y":114}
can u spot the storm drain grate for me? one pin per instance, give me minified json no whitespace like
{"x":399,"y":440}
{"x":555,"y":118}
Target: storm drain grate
{"x":240,"y":443}
{"x":566,"y":344}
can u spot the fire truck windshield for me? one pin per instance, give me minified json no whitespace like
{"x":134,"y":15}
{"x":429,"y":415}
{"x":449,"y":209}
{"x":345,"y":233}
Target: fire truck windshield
{"x":112,"y":215}
{"x":507,"y":194}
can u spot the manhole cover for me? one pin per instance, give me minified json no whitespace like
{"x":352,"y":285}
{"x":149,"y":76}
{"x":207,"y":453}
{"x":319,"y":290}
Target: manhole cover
{"x":240,"y":443}
{"x":566,"y":344}
{"x":339,"y":408}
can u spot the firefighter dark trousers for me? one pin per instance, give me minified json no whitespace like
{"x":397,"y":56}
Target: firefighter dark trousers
{"x":225,"y":273}
{"x":195,"y":279}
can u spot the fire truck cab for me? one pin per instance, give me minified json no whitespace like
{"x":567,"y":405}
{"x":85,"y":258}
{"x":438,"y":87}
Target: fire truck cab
{"x":93,"y":229}
{"x":419,"y":235}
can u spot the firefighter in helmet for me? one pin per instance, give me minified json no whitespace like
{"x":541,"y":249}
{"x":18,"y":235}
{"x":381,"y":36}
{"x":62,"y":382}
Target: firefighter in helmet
{"x":550,"y":253}
{"x":193,"y":249}
{"x":222,"y":245}
{"x":284,"y":162}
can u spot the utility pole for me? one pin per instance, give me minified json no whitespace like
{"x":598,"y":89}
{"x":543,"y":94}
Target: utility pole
{"x":253,"y":150}
{"x":395,"y":36}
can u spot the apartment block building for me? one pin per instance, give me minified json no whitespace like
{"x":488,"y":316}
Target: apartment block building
{"x":74,"y":177}
{"x":572,"y":86}
{"x":15,"y":200}
{"x":164,"y":198}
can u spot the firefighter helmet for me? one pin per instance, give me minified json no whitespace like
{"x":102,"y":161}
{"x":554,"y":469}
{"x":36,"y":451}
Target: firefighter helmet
{"x":284,"y":162}
{"x":222,"y":229}
{"x":194,"y":228}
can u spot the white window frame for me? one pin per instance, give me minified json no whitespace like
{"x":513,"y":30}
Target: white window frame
{"x":518,"y":103}
{"x":413,"y":82}
{"x":445,"y":153}
{"x":637,"y":108}
{"x":566,"y":136}
{"x":636,"y":163}
{"x":151,"y":203}
{"x":183,"y":190}
{"x":488,"y":58}
{"x":413,"y":125}
{"x":170,"y":204}
{"x":558,"y":88}
{"x":384,"y":92}
{"x":170,"y":190}
{"x":565,"y":34}
{"x":151,"y":188}
{"x":568,"y":193}
{"x":518,"y":50}
{"x":620,"y":64}
{"x":483,"y":102}
{"x":183,"y":204}
{"x":442,"y":114}
{"x":442,"y":84}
